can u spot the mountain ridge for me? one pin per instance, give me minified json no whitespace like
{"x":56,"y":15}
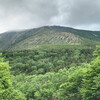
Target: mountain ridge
{"x":48,"y":35}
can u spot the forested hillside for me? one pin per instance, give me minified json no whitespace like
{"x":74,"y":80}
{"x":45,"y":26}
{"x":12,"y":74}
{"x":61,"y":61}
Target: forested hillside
{"x":34,"y":38}
{"x":65,"y":73}
{"x":50,"y":63}
{"x":49,"y":50}
{"x":50,"y":59}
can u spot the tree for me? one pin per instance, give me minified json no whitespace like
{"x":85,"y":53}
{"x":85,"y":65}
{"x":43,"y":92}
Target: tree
{"x":91,"y":82}
{"x":7,"y":92}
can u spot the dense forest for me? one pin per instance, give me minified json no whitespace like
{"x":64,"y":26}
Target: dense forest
{"x":59,"y":73}
{"x":50,"y":59}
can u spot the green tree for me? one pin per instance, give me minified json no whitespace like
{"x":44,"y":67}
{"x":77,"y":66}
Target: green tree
{"x":91,"y":82}
{"x":7,"y":92}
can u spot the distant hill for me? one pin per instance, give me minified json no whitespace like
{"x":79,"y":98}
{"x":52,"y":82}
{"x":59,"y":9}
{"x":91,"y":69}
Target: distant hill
{"x":55,"y":35}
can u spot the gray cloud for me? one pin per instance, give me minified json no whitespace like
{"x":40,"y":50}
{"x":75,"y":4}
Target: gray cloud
{"x":22,"y":14}
{"x":85,"y":12}
{"x":19,"y":14}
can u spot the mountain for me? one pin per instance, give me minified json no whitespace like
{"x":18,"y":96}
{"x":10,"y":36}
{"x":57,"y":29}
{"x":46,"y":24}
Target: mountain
{"x":55,"y":35}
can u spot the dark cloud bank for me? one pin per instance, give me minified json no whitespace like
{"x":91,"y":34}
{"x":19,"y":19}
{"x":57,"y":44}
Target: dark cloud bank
{"x":23,"y":14}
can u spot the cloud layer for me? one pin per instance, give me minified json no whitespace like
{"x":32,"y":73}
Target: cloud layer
{"x":24,"y":14}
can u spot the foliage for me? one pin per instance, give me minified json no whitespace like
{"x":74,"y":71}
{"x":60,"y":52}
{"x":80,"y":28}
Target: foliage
{"x":7,"y":92}
{"x":45,"y":59}
{"x":49,"y":82}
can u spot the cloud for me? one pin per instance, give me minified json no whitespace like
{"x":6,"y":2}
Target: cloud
{"x":19,"y":14}
{"x":84,"y":12}
{"x":23,"y":14}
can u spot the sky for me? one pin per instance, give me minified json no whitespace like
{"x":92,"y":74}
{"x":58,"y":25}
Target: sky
{"x":26,"y":14}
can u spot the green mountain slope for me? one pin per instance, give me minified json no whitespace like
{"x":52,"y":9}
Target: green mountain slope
{"x":54,"y":35}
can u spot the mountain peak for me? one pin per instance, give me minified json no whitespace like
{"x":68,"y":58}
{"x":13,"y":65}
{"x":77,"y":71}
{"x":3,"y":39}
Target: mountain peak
{"x":47,"y":35}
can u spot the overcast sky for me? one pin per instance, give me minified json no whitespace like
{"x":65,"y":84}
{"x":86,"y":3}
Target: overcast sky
{"x":24,"y":14}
